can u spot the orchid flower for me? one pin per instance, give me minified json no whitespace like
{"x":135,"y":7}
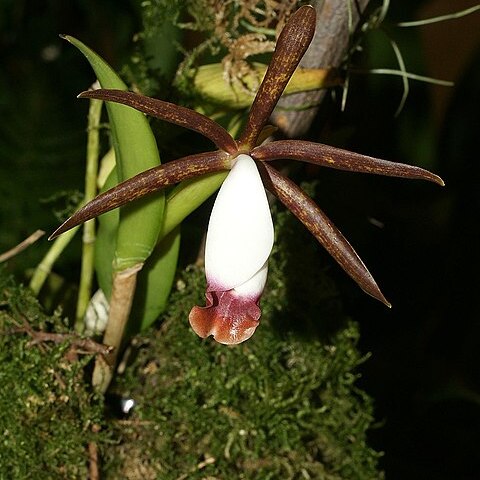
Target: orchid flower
{"x":240,"y":232}
{"x":239,"y":242}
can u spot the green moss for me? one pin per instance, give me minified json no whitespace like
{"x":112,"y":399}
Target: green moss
{"x":47,"y":412}
{"x":282,"y":405}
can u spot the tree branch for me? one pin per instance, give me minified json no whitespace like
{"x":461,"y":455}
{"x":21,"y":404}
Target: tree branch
{"x":328,"y":49}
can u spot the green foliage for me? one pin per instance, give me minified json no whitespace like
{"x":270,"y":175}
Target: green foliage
{"x":282,"y":405}
{"x":156,"y":55}
{"x":141,"y":223}
{"x":47,"y":411}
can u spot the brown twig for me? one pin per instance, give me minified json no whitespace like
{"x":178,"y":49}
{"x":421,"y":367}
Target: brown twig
{"x":82,"y":345}
{"x":21,"y":246}
{"x":93,"y":461}
{"x":93,"y":471}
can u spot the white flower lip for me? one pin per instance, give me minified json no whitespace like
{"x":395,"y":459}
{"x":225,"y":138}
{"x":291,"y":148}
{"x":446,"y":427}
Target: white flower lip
{"x":252,"y":289}
{"x":240,"y":232}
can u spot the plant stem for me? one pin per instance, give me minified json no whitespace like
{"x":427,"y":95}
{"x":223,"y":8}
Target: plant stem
{"x":45,"y":266}
{"x":21,"y":246}
{"x":87,"y":268}
{"x":123,"y":291}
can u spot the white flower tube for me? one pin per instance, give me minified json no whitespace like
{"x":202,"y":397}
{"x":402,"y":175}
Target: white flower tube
{"x":239,"y":241}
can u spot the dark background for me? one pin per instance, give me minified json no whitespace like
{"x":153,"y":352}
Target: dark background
{"x":419,"y":240}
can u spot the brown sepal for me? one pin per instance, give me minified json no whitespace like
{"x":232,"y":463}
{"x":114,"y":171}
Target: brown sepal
{"x":337,"y":158}
{"x":169,"y":112}
{"x":147,"y":182}
{"x":305,"y":209}
{"x":291,"y":46}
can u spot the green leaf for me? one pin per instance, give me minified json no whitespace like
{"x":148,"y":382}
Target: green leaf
{"x":155,"y":281}
{"x":135,"y":151}
{"x":105,"y":242}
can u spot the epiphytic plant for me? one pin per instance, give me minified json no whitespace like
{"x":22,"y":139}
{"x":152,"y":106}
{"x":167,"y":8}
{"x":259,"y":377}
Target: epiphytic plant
{"x":240,"y":233}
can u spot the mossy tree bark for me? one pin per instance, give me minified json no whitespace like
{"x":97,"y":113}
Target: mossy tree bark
{"x":328,"y":49}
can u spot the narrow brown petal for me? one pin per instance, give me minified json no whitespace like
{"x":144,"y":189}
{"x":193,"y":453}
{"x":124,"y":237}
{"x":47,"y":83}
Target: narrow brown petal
{"x":339,"y":159}
{"x":305,"y":209}
{"x":147,"y":182}
{"x":291,"y":45}
{"x":169,"y":112}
